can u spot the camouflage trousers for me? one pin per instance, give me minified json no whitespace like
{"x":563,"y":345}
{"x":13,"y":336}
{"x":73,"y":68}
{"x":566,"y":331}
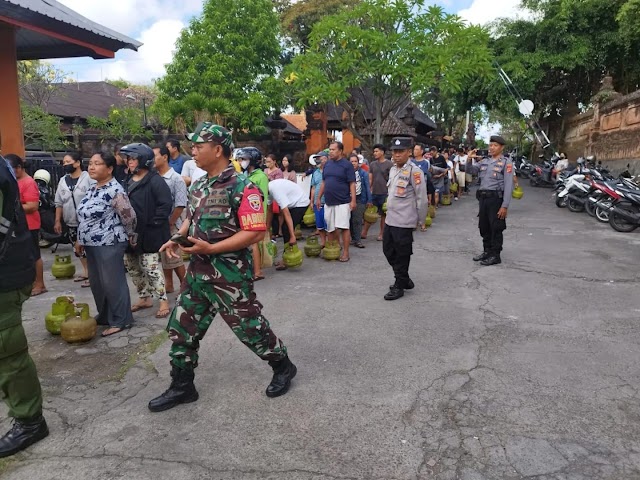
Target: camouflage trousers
{"x":197,"y":306}
{"x":147,"y":275}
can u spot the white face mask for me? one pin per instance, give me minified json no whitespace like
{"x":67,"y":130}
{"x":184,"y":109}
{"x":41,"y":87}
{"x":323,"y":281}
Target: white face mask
{"x":245,"y":164}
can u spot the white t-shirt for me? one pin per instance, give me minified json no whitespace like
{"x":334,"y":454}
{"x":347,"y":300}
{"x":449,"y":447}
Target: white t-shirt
{"x":288,"y":194}
{"x":450,"y":172}
{"x":460,"y":159}
{"x":191,"y":170}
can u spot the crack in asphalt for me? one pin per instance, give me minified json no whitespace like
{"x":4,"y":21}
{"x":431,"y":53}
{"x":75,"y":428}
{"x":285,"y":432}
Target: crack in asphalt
{"x":524,"y":268}
{"x":206,"y":467}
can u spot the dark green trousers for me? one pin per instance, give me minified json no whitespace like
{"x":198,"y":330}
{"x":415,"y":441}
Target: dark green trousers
{"x":18,"y":377}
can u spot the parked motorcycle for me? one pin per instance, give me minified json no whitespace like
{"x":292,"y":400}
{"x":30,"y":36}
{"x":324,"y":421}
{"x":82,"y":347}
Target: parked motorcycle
{"x":544,"y":175}
{"x":625,"y":214}
{"x":574,"y":194}
{"x":47,"y":210}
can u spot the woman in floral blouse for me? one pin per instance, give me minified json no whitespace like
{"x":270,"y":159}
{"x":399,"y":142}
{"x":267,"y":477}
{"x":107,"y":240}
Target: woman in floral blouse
{"x":107,"y":225}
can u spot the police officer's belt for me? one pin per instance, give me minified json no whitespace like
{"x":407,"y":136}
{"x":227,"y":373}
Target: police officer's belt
{"x":489,"y":194}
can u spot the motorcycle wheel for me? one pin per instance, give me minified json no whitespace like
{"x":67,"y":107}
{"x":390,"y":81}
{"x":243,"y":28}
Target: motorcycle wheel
{"x":524,"y":175}
{"x":602,"y":214}
{"x":561,"y":202}
{"x":533,"y":182}
{"x":619,"y":224}
{"x":574,"y":206}
{"x":590,"y":208}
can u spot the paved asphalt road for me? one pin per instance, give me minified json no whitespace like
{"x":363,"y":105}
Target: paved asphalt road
{"x":524,"y":370}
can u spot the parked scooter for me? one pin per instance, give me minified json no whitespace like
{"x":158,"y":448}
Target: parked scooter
{"x":625,"y":214}
{"x":47,"y":210}
{"x":544,"y":174}
{"x":575,"y":191}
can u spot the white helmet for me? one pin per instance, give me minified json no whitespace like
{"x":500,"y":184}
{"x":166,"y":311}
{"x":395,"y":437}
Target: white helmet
{"x":43,"y":175}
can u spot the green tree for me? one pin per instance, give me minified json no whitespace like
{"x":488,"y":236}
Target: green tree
{"x":559,"y":57}
{"x":41,"y":129}
{"x":298,"y":18}
{"x":122,"y":123}
{"x":389,"y":52}
{"x":120,"y":83}
{"x":229,"y":55}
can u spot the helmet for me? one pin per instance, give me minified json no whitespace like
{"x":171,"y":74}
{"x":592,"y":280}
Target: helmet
{"x":250,"y":153}
{"x":42,"y":175}
{"x":140,"y":151}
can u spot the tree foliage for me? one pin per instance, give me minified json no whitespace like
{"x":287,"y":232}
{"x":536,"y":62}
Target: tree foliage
{"x":559,"y":56}
{"x":298,"y":18}
{"x":394,"y":50}
{"x":41,"y":128}
{"x":230,"y":56}
{"x":122,"y":123}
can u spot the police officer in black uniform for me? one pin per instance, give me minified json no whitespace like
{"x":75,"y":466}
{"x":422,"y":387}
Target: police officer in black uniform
{"x":18,"y":377}
{"x":494,"y":195}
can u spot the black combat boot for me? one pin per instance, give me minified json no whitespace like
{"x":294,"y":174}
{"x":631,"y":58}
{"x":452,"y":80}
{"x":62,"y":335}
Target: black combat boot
{"x":407,"y":286}
{"x":493,"y":259}
{"x":283,"y":373}
{"x":23,"y":433}
{"x":481,"y":257}
{"x":394,"y":293}
{"x":181,"y":390}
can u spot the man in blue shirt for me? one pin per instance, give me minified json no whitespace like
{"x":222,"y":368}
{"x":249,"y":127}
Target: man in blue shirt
{"x":176,"y":159}
{"x":339,"y":190}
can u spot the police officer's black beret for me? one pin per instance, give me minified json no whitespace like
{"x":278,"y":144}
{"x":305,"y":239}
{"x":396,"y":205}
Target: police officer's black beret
{"x":401,"y":143}
{"x":497,"y":139}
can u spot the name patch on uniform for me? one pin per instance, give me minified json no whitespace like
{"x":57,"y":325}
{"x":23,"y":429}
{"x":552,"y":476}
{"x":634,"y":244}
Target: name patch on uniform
{"x":509,"y":167}
{"x":218,"y":198}
{"x":416,"y":178}
{"x":251,"y":212}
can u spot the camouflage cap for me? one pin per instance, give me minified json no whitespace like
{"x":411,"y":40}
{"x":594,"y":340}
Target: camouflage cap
{"x":210,"y":132}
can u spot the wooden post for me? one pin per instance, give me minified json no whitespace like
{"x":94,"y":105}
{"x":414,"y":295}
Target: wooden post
{"x":11,"y":134}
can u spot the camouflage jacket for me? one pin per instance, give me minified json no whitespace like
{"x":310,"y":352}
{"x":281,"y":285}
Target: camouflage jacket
{"x":220,"y":207}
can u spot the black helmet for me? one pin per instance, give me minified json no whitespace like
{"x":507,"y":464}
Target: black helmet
{"x":252,"y":154}
{"x":140,"y":151}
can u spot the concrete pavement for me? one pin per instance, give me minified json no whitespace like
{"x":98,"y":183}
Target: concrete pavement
{"x":524,"y":370}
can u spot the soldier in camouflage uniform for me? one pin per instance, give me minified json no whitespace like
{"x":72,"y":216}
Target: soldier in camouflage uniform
{"x":225,"y":216}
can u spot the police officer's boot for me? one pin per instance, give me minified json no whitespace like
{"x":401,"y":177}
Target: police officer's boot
{"x":283,"y":372}
{"x":24,"y":432}
{"x":481,"y":257}
{"x":181,"y":390}
{"x":408,"y":286}
{"x":493,"y":259}
{"x":394,"y":293}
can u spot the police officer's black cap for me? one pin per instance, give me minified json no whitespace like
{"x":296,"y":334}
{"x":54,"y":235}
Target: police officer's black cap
{"x":497,"y":139}
{"x":401,"y":143}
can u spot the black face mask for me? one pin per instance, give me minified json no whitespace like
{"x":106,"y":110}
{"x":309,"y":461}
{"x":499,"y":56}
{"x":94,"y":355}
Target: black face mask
{"x":69,"y":169}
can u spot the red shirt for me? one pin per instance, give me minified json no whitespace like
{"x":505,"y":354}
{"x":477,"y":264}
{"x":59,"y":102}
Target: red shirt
{"x":29,"y":193}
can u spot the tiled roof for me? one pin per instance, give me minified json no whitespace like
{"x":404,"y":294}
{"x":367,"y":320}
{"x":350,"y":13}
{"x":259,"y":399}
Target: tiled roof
{"x":298,"y":120}
{"x":391,"y":126}
{"x":84,"y":99}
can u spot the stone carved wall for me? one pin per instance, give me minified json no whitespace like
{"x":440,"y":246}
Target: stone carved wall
{"x":611,"y":132}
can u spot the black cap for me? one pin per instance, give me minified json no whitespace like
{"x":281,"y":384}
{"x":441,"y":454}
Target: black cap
{"x":401,"y":143}
{"x":497,"y":139}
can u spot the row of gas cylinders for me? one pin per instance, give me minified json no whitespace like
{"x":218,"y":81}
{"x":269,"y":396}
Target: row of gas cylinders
{"x":71,"y":321}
